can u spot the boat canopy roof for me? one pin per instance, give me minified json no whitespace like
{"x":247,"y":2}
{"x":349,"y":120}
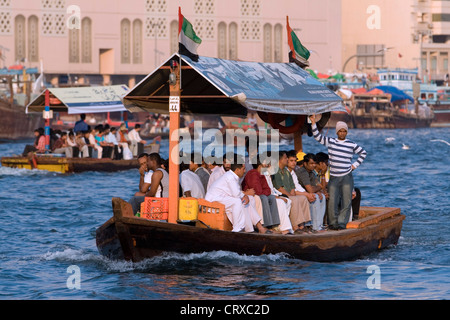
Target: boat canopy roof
{"x":76,"y":100}
{"x":230,"y":88}
{"x":396,"y":94}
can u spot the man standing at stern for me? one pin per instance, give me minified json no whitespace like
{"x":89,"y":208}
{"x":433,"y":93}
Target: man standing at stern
{"x":340,"y":186}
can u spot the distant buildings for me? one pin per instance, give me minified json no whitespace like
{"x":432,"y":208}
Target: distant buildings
{"x":113,"y":41}
{"x":397,"y":34}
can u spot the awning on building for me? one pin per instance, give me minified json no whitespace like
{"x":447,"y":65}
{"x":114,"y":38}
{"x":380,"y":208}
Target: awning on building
{"x":230,"y":88}
{"x":76,"y":100}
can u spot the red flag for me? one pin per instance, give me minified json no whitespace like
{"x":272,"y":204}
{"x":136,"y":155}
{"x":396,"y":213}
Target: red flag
{"x":400,"y":55}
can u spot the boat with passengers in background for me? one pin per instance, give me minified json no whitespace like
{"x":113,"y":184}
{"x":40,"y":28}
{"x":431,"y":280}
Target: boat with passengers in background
{"x":275,"y":91}
{"x":75,"y":100}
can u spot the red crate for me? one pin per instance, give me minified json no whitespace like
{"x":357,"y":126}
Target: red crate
{"x":155,"y":208}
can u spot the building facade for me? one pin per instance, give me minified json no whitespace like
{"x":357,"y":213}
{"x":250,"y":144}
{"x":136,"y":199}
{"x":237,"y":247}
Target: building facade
{"x":113,"y":41}
{"x":397,"y":34}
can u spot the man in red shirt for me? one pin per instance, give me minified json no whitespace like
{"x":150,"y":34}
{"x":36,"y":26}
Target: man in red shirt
{"x":256,"y":181}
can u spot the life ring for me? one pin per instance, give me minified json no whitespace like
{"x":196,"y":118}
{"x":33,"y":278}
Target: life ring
{"x":275,"y":119}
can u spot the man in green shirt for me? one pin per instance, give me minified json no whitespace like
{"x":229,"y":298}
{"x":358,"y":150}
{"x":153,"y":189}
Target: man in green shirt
{"x":283,"y":182}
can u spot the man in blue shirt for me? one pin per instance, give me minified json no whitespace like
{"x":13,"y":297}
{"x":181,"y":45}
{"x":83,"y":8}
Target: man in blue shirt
{"x":81,"y":125}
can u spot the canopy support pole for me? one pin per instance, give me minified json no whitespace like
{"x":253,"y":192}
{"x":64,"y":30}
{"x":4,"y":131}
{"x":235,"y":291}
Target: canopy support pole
{"x":298,"y":143}
{"x":47,"y":120}
{"x":174,"y":167}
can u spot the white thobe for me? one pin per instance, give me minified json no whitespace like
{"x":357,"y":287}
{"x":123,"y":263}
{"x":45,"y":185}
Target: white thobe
{"x":216,"y":173}
{"x":227,"y":191}
{"x":284,"y":208}
{"x":190,"y":181}
{"x":135,"y":138}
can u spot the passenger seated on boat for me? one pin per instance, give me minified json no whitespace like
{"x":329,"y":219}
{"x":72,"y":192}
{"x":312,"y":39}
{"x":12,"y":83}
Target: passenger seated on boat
{"x":283,"y":203}
{"x":39,"y":143}
{"x":93,"y":143}
{"x":218,"y":170}
{"x":72,"y":144}
{"x":282,"y":181}
{"x":136,"y":141}
{"x":227,"y":191}
{"x":145,"y":179}
{"x":81,"y":143}
{"x":323,"y":171}
{"x":122,"y":139}
{"x":159,"y":180}
{"x":101,"y":141}
{"x":110,"y":136}
{"x":317,"y":205}
{"x":190,"y":182}
{"x":61,"y":146}
{"x":160,"y":177}
{"x":195,"y":166}
{"x":255,"y":180}
{"x":165,"y":164}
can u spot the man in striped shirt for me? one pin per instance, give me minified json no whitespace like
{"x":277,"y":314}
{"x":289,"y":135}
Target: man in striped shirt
{"x":340,"y":186}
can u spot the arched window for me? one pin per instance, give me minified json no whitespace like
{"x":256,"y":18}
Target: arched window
{"x":174,"y":36}
{"x":86,"y":40}
{"x":125,"y":41}
{"x":222,"y":41}
{"x":74,"y":45}
{"x":19,"y":35}
{"x":137,"y":41}
{"x":267,"y":42}
{"x":278,"y":43}
{"x":33,"y":39}
{"x":233,"y":43}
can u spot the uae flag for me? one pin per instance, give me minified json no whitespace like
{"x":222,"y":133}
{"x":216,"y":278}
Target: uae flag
{"x":298,"y":53}
{"x":188,"y":41}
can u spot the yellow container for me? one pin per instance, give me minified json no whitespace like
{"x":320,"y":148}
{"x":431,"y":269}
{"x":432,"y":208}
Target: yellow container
{"x":188,"y":209}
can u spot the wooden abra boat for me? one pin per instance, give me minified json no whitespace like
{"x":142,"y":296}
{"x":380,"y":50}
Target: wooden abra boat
{"x":207,"y":89}
{"x":69,"y":165}
{"x":125,"y":236}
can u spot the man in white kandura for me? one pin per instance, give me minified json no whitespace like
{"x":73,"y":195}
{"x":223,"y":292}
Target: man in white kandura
{"x":227,"y":191}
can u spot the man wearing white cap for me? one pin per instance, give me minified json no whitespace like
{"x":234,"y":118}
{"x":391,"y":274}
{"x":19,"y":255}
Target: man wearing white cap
{"x":340,"y":186}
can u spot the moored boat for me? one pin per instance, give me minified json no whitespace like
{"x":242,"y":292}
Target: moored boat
{"x":125,"y":236}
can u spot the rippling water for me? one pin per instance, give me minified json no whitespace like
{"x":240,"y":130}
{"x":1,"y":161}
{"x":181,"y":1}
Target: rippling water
{"x":48,"y":223}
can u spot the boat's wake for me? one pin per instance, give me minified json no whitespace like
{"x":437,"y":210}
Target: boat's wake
{"x":162,"y":263}
{"x":6,"y":171}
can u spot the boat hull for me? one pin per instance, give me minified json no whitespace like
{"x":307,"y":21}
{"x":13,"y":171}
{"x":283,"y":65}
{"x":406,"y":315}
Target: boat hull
{"x":69,"y":165}
{"x":16,"y":124}
{"x":130,"y":238}
{"x":441,"y":115}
